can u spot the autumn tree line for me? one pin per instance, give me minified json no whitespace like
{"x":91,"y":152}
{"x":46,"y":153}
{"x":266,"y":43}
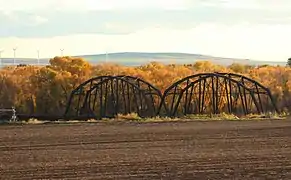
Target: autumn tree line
{"x":45,"y":90}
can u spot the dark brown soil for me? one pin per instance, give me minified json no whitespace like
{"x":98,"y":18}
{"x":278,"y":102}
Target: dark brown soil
{"x":169,"y":150}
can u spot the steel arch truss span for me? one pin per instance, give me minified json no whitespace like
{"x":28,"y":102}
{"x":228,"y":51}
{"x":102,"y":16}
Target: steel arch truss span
{"x":214,"y":93}
{"x":107,"y":96}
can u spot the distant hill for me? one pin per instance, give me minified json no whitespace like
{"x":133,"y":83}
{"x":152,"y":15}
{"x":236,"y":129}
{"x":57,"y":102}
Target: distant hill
{"x":132,"y":58}
{"x":136,"y":58}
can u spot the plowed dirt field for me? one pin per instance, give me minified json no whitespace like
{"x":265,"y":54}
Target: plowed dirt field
{"x":165,"y":150}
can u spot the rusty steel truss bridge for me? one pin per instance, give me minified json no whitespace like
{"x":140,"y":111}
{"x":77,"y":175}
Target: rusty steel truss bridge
{"x":205,"y":93}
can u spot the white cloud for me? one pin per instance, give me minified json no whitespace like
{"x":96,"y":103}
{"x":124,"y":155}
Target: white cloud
{"x":245,"y":40}
{"x":27,"y":19}
{"x":36,"y":20}
{"x":79,"y":5}
{"x":252,"y":4}
{"x":262,"y":42}
{"x":9,"y":15}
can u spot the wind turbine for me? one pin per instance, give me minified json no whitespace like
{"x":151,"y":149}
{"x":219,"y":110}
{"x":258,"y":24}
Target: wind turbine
{"x":106,"y":59}
{"x":37,"y":50}
{"x":107,"y":52}
{"x":1,"y":50}
{"x":14,"y":55}
{"x":62,"y":51}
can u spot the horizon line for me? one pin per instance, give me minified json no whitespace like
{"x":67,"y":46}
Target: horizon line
{"x":140,"y":52}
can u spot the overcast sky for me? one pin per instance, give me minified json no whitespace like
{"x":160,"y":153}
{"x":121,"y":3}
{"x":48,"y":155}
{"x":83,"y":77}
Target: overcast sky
{"x":253,"y":29}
